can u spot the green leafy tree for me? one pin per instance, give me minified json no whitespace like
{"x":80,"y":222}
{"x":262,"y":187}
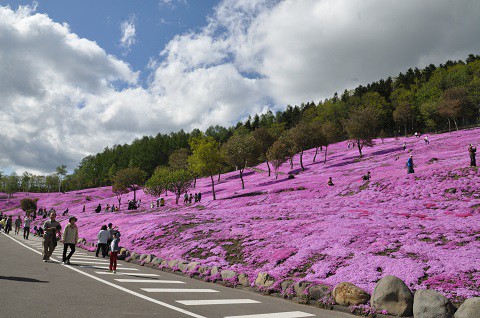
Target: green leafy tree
{"x":28,"y":205}
{"x":130,"y":178}
{"x":158,"y":183}
{"x":404,"y":113}
{"x":178,"y":160}
{"x":205,"y":159}
{"x":452,"y":104}
{"x":240,"y":151}
{"x":51,"y":182}
{"x":61,"y":172}
{"x":302,"y":139}
{"x":277,"y":154}
{"x":265,"y":140}
{"x":331,"y":133}
{"x":179,"y":181}
{"x":362,"y":126}
{"x":26,"y":182}
{"x":119,"y":190}
{"x":12,"y":184}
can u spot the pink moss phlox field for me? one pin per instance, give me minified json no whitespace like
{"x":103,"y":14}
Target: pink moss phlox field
{"x":423,"y":227}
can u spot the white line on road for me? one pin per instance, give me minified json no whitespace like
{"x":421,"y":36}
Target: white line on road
{"x":80,"y":262}
{"x":158,"y":302}
{"x":151,"y":281}
{"x":288,"y":314}
{"x":98,"y":267}
{"x":217,"y":302}
{"x":178,"y":290}
{"x":129,"y":274}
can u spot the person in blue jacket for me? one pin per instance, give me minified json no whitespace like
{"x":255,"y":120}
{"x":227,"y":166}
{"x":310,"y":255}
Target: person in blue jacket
{"x":410,"y":165}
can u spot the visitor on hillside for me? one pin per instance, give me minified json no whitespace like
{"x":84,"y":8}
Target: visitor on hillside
{"x":65,"y":212}
{"x":185,"y":198}
{"x":195,"y":197}
{"x":472,"y":152}
{"x":40,"y":231}
{"x":113,"y":208}
{"x":152,"y":205}
{"x":114,"y":253}
{"x":367,"y":176}
{"x":427,"y":142}
{"x":51,"y":227}
{"x":190,"y":198}
{"x":18,"y":224}
{"x":70,"y":239}
{"x":26,"y":227}
{"x":99,"y":208}
{"x":8,"y":224}
{"x":330,"y":182}
{"x":83,"y":210}
{"x":107,"y":208}
{"x":404,"y":145}
{"x":199,"y":196}
{"x":102,"y":241}
{"x":410,"y":165}
{"x":417,"y":134}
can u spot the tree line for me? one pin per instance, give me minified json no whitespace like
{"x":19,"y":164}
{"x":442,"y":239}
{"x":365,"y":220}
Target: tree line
{"x":433,"y":99}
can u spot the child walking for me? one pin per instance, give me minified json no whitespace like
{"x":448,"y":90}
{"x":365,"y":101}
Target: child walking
{"x":114,"y":253}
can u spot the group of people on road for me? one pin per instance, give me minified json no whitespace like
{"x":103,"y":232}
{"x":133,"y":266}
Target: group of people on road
{"x":6,"y":223}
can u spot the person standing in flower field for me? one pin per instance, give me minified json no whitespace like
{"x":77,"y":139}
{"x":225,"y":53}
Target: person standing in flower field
{"x":472,"y":151}
{"x":70,"y":239}
{"x":51,"y":227}
{"x":410,"y":165}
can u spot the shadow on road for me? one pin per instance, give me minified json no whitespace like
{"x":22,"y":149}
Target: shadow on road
{"x":22,"y":279}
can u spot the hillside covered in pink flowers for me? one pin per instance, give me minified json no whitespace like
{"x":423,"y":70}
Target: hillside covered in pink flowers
{"x":422,"y":227}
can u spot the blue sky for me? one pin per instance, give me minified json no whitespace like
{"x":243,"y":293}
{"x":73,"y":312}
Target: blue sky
{"x":156,"y":22}
{"x":125,"y":69}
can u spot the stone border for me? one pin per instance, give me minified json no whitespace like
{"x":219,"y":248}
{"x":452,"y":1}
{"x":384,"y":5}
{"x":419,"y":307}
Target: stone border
{"x":391,"y":295}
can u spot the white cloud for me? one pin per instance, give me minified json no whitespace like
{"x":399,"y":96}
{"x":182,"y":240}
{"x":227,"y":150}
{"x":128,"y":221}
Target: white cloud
{"x":59,"y":102}
{"x":129,"y":34}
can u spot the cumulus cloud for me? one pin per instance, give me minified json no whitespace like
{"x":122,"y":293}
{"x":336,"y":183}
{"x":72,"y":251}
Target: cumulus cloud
{"x":59,"y":101}
{"x":129,"y":34}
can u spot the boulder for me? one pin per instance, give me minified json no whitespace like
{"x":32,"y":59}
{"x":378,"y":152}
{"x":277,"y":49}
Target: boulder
{"x":134,"y":257}
{"x":228,"y":274}
{"x":286,"y":284}
{"x":391,"y":294}
{"x":264,"y":280}
{"x":469,"y":309}
{"x":182,"y":266}
{"x":243,"y":280}
{"x":318,"y":292}
{"x":299,"y":287}
{"x":203,"y":270}
{"x":347,"y":294}
{"x":173,"y":263}
{"x":192,"y":266}
{"x":157,"y":261}
{"x":431,"y":304}
{"x":214,"y":271}
{"x":143,"y":257}
{"x":164,"y":263}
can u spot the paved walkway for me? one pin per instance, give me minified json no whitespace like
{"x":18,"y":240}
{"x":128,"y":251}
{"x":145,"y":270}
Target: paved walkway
{"x":85,"y":289}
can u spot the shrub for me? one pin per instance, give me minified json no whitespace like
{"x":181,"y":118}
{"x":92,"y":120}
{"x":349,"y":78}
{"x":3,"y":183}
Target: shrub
{"x":28,"y":205}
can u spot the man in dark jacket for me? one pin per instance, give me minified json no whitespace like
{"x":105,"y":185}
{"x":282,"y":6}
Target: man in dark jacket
{"x":472,"y":152}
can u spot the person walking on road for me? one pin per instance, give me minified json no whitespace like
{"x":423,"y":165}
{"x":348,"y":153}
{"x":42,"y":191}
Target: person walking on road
{"x":26,"y":227}
{"x":70,"y":239}
{"x":472,"y":152}
{"x":8,"y":224}
{"x":51,"y":227}
{"x":18,"y":224}
{"x":114,"y":253}
{"x":102,"y":241}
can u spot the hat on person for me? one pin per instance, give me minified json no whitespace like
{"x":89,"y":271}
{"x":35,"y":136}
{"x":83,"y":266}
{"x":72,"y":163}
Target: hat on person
{"x":72,"y":218}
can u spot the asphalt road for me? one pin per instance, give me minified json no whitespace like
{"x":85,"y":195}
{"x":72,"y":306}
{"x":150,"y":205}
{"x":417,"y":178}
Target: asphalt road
{"x":32,"y":288}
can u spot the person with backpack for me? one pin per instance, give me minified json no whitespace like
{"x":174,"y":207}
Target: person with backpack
{"x":70,"y":239}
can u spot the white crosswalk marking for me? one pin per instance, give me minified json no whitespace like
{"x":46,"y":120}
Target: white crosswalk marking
{"x":148,"y":281}
{"x":94,"y":263}
{"x":86,"y":258}
{"x":289,"y":314}
{"x":217,"y":302}
{"x":99,"y":267}
{"x":178,"y":290}
{"x":129,"y":274}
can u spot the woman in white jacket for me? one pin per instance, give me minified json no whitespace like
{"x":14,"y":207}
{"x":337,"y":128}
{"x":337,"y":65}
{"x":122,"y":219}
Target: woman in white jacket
{"x":103,"y":237}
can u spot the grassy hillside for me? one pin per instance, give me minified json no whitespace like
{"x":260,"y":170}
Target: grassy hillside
{"x":422,"y":227}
